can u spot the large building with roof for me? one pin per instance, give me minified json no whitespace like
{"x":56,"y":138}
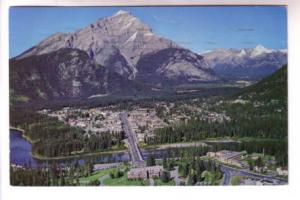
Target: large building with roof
{"x":145,"y":172}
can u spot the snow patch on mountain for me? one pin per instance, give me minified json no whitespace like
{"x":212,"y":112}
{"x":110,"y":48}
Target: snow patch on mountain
{"x":132,"y":38}
{"x":242,"y":53}
{"x":259,"y":50}
{"x":283,"y":50}
{"x":149,"y":34}
{"x":121,"y":12}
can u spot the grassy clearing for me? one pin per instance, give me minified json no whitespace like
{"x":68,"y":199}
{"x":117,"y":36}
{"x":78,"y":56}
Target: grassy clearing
{"x":123,"y":181}
{"x":95,"y":176}
{"x":159,"y":182}
{"x":235,"y":180}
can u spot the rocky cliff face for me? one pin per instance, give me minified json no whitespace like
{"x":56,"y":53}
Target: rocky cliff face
{"x":122,"y":31}
{"x":104,"y":57}
{"x":174,"y":65}
{"x":60,"y":74}
{"x":68,"y":73}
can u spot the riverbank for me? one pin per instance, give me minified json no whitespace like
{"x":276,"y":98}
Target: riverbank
{"x":206,"y":142}
{"x":27,"y":138}
{"x":173,"y":145}
{"x":239,"y":139}
{"x":83,"y":155}
{"x":16,"y":129}
{"x":78,"y":155}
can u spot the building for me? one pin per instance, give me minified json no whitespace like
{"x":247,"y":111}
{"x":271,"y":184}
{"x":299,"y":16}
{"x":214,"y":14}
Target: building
{"x":282,"y":171}
{"x":229,"y":157}
{"x":145,"y":172}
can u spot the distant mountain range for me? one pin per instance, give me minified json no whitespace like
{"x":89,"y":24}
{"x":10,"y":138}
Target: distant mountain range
{"x":246,"y":63}
{"x":121,"y":55}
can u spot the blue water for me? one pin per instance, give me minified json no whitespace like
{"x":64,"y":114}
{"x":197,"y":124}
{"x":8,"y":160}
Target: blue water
{"x":20,"y":154}
{"x":19,"y":149}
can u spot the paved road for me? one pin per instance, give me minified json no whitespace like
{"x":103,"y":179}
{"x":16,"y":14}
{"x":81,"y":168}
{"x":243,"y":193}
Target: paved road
{"x":229,"y":172}
{"x":227,"y":175}
{"x":174,"y":174}
{"x":102,"y":178}
{"x":134,"y":150}
{"x":106,"y":166}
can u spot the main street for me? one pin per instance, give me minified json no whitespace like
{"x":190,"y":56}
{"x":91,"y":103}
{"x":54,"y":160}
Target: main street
{"x":134,"y":150}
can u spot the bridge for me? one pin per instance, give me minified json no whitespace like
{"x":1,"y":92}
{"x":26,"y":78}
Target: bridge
{"x":135,"y":153}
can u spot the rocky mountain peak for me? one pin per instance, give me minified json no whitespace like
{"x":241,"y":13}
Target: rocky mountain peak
{"x":121,"y":22}
{"x":121,"y":12}
{"x":127,"y":51}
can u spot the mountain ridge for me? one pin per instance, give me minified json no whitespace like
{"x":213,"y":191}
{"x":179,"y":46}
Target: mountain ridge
{"x":246,"y":63}
{"x":119,"y":44}
{"x":121,"y":32}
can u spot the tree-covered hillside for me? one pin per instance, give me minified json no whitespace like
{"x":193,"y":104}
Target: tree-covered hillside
{"x":257,"y":111}
{"x":274,"y":87}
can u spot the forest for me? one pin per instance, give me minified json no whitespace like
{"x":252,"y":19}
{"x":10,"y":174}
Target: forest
{"x":53,"y":138}
{"x":70,"y":174}
{"x":262,"y":115}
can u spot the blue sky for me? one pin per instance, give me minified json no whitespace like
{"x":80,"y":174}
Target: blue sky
{"x":197,"y":28}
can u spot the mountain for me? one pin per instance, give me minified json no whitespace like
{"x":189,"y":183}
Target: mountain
{"x":174,"y":64}
{"x":113,"y":54}
{"x":247,"y":63}
{"x":263,"y":106}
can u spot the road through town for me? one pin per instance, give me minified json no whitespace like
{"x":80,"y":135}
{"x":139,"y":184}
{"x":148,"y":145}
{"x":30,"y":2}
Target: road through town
{"x":134,"y":150}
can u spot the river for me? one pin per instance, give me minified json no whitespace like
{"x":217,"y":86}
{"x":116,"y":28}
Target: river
{"x":20,"y":152}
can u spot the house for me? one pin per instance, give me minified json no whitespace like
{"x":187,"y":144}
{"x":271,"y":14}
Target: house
{"x":145,"y":172}
{"x":282,"y":171}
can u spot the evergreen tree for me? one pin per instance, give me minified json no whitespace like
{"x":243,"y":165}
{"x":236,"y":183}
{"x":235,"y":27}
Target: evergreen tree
{"x":151,"y":160}
{"x":165,"y":163}
{"x":165,"y":177}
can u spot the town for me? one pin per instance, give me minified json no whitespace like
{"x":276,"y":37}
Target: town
{"x":102,"y":120}
{"x":139,"y":124}
{"x":143,"y":121}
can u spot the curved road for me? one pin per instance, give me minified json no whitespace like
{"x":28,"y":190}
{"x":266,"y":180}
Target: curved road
{"x":229,"y":172}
